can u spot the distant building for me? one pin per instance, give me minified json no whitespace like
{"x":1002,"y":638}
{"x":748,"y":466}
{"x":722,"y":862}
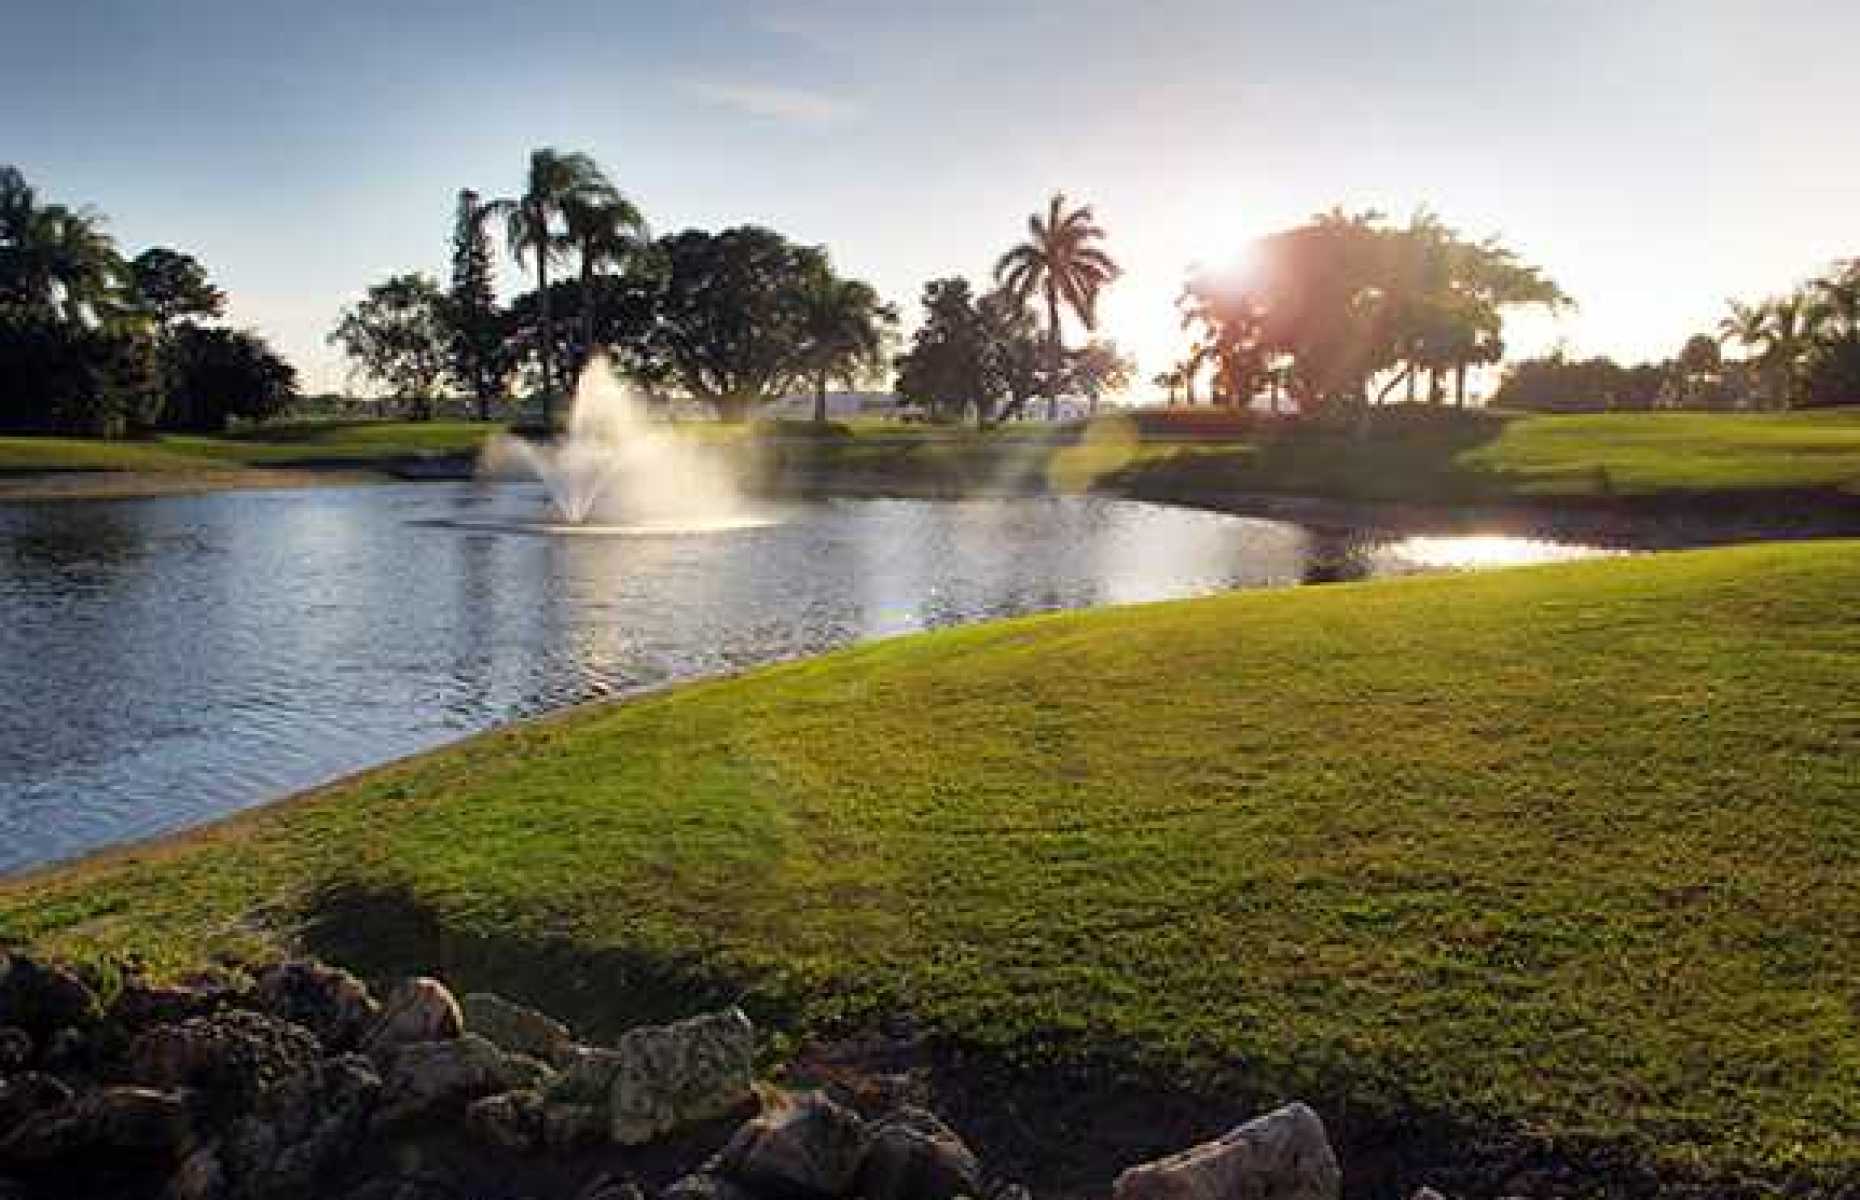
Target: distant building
{"x":841,"y":406}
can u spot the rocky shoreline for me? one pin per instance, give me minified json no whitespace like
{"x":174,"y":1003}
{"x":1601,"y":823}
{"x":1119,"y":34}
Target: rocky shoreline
{"x":295,"y":1081}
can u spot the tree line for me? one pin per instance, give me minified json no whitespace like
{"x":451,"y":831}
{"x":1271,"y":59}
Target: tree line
{"x":733,"y":318}
{"x":92,"y":342}
{"x":1797,"y":350}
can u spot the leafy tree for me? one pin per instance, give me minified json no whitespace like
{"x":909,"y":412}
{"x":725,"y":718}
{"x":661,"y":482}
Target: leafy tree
{"x":729,"y":322}
{"x":606,"y":231}
{"x":625,"y":308}
{"x":947,"y":367}
{"x":1060,"y":261}
{"x":533,"y":223}
{"x":1833,"y":372}
{"x":1556,"y":384}
{"x":1700,"y":366}
{"x":398,"y":336}
{"x":60,"y":377}
{"x":219,"y":374}
{"x":1016,"y":366}
{"x":170,"y":285}
{"x":478,"y":359}
{"x":1097,"y":369}
{"x":845,"y":331}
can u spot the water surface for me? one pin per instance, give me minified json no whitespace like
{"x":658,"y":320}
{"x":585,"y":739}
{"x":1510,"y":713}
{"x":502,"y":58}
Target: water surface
{"x":163,"y":662}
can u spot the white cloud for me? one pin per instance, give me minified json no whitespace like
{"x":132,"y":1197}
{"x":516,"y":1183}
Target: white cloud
{"x":796,"y":105}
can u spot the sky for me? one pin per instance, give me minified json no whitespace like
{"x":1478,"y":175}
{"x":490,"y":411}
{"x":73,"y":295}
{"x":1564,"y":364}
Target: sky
{"x":1653,"y":156}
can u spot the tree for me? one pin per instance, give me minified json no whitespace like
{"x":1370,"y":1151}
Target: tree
{"x":1097,"y":369}
{"x":218,"y":374}
{"x":556,"y":181}
{"x":605,"y":230}
{"x":845,"y":331}
{"x":1700,"y":364}
{"x":947,"y":367}
{"x":1060,"y":261}
{"x":478,"y":360}
{"x":169,"y":285}
{"x":398,"y":336}
{"x":728,"y":320}
{"x":56,"y":259}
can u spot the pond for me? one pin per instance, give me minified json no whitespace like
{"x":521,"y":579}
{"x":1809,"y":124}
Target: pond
{"x":164,"y":662}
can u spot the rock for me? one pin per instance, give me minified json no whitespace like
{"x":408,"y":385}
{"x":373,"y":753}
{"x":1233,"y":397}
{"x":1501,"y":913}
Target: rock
{"x":201,"y":1176}
{"x":669,"y":1075}
{"x":1283,"y":1155}
{"x":41,"y":999}
{"x":68,"y":1052}
{"x":27,"y":1095}
{"x":230,"y":1060}
{"x":329,"y":1002}
{"x":15,"y":1050}
{"x":801,"y":1147}
{"x":122,"y":1120}
{"x":706,"y":1186}
{"x":573,"y":1126}
{"x":606,"y":1187}
{"x":518,"y":1029}
{"x":511,"y":1121}
{"x":140,"y":1005}
{"x":300,"y":1130}
{"x":419,"y":1010}
{"x":587,"y":1076}
{"x":431,"y":1079}
{"x":1427,"y":1193}
{"x":914,"y":1156}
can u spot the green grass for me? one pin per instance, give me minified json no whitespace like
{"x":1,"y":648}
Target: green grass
{"x":1566,"y":855}
{"x":279,"y":445}
{"x":1492,"y":457}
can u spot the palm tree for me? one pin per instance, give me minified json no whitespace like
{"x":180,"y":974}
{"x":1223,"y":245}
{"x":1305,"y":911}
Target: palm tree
{"x":556,"y":182}
{"x":606,"y":232}
{"x":844,"y":331}
{"x":57,"y":259}
{"x":1059,"y":261}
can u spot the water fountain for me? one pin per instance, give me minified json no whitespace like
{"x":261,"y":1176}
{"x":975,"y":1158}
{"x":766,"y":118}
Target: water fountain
{"x":618,"y":467}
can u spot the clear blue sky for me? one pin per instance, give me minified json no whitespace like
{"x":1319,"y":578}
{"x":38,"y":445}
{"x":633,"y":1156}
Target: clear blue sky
{"x":1655,"y":156}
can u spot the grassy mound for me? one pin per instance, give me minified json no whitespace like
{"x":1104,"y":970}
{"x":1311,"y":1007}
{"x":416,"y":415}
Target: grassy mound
{"x":1564,"y":856}
{"x":282,"y":444}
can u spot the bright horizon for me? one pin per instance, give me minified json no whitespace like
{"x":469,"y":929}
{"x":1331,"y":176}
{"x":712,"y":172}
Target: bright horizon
{"x":1653,"y":162}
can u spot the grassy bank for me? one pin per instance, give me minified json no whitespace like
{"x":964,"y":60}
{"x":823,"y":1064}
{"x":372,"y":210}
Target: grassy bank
{"x":1541,"y":459}
{"x":1560,"y":858}
{"x":280,"y":445}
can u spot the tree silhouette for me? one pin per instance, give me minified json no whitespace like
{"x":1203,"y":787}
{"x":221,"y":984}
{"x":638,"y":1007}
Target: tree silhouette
{"x":606,"y":230}
{"x":1060,"y":261}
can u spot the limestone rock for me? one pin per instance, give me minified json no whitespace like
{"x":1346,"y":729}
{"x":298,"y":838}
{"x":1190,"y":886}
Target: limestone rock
{"x":329,"y":1002}
{"x":914,"y":1156}
{"x":419,"y":1010}
{"x":429,"y":1079}
{"x":300,"y":1129}
{"x":606,"y":1187}
{"x":140,"y":1005}
{"x":123,"y":1120}
{"x":519,"y":1029}
{"x":15,"y":1050}
{"x":511,"y":1121}
{"x":692,"y":1070}
{"x":573,"y":1126}
{"x":201,"y":1176}
{"x":41,"y":999}
{"x":706,"y":1186}
{"x":1283,"y":1155}
{"x":230,"y":1060}
{"x":801,"y":1147}
{"x":29,"y":1094}
{"x":587,"y":1076}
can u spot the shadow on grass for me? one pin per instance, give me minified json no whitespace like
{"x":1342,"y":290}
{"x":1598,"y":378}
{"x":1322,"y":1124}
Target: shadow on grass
{"x":1065,"y":1114}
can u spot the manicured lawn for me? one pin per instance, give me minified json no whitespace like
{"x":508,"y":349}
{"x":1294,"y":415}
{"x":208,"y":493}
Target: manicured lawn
{"x":1530,"y":457}
{"x":270,"y":445}
{"x":1565,"y":855}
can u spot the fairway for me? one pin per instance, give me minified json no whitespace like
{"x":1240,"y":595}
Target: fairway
{"x":1563,"y":856}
